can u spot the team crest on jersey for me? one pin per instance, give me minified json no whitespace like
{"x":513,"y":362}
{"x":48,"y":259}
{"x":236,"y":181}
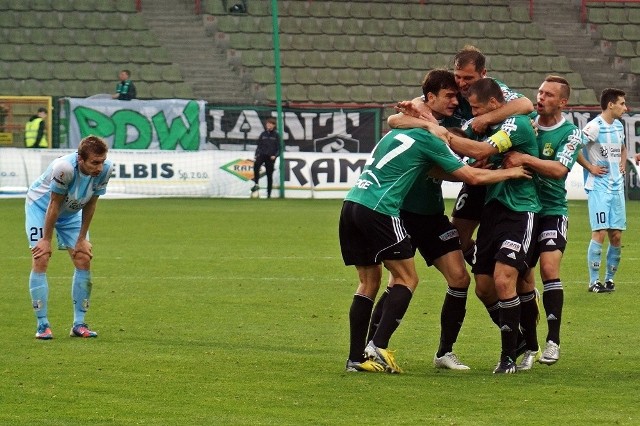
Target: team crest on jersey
{"x":449,"y":235}
{"x":604,"y":151}
{"x":547,"y":151}
{"x":59,"y":178}
{"x":511,"y":245}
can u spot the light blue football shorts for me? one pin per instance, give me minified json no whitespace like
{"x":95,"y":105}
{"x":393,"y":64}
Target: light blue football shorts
{"x":67,"y":228}
{"x":607,"y":210}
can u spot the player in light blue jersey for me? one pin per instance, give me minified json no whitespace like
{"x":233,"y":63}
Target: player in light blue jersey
{"x":605,"y":157}
{"x":64,"y":199}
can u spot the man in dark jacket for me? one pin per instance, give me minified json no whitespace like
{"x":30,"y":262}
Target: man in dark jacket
{"x":267,"y":151}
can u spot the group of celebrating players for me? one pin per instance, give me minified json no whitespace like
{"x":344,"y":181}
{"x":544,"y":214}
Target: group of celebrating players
{"x":513,"y":193}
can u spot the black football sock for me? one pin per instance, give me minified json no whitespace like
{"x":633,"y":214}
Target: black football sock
{"x":394,"y":309}
{"x":553,"y":299}
{"x":528,"y":319}
{"x":359,"y":316}
{"x":509,"y":322}
{"x":494,"y":312}
{"x":377,"y":314}
{"x":451,"y":318}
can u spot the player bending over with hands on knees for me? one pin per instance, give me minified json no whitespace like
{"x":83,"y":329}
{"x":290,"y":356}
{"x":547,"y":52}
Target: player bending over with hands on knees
{"x":64,"y":199}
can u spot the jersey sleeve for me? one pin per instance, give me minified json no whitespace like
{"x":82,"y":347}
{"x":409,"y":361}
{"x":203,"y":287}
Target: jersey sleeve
{"x":567,"y":152}
{"x":101,"y":187}
{"x":61,"y":176}
{"x":591,"y":130}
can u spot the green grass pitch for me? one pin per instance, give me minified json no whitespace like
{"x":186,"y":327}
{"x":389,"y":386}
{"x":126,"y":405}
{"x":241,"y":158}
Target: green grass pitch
{"x":234,"y":312}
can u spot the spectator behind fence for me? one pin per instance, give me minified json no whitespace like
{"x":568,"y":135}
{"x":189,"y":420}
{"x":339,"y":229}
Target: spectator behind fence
{"x":125,"y":90}
{"x":35,"y":132}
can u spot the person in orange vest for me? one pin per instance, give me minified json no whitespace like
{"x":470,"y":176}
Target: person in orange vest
{"x":35,"y":133}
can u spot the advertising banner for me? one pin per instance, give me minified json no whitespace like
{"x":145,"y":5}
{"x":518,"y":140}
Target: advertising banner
{"x":305,"y":130}
{"x":156,"y":173}
{"x":167,"y":124}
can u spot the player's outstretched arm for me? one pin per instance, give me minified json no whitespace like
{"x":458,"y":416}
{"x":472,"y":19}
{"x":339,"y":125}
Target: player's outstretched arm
{"x":519,"y":106}
{"x":547,"y":168}
{"x":470,"y":148}
{"x":474,"y":176}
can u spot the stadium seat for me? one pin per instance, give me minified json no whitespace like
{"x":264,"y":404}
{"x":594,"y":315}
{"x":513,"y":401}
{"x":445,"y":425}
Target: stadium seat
{"x":84,"y":71}
{"x":61,"y":36}
{"x":339,"y":9}
{"x":426,"y":45}
{"x":597,"y":15}
{"x":617,"y":16}
{"x":625,"y":49}
{"x":296,"y":93}
{"x":634,"y":15}
{"x":499,"y":63}
{"x":50,"y":20}
{"x":441,"y":12}
{"x":360,"y":94}
{"x":288,"y":59}
{"x":349,"y":77}
{"x":474,"y":30}
{"x":337,"y":60}
{"x":267,"y":76}
{"x":400,"y":11}
{"x":611,"y":32}
{"x":295,"y":8}
{"x":53,"y":53}
{"x":20,"y":5}
{"x":360,"y":10}
{"x":380,"y":11}
{"x":365,"y":43}
{"x":73,"y":20}
{"x":317,"y":93}
{"x":527,"y":47}
{"x":575,"y":80}
{"x":41,"y":71}
{"x":371,"y":27}
{"x":386,"y":44}
{"x":494,"y":31}
{"x":305,"y":75}
{"x":29,"y":87}
{"x":393,"y":28}
{"x":172,"y":74}
{"x":406,"y":45}
{"x":376,"y":60}
{"x":29,"y":19}
{"x":64,"y":71}
{"x":520,"y":14}
{"x":129,"y":6}
{"x":365,"y":77}
{"x":105,"y":72}
{"x":520,"y":63}
{"x":8,"y":20}
{"x":327,"y":26}
{"x":326,"y":76}
{"x":500,"y":14}
{"x":94,"y":21}
{"x":161,"y":90}
{"x":146,"y":38}
{"x":547,"y":48}
{"x":62,"y":5}
{"x":397,"y":60}
{"x":382,"y":94}
{"x":560,"y":64}
{"x":631,"y":32}
{"x":150,"y":73}
{"x":84,"y":5}
{"x":19,"y":70}
{"x":183,"y":90}
{"x":344,"y":43}
{"x":319,"y":9}
{"x":114,"y":21}
{"x":314,"y":59}
{"x":135,"y":22}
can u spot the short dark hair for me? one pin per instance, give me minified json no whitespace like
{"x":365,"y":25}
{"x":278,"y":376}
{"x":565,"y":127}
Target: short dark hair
{"x":42,"y":109}
{"x":470,"y":55}
{"x":91,"y":145}
{"x":438,"y":79}
{"x":485,"y":89}
{"x":610,"y":95}
{"x":127,"y":72}
{"x":565,"y":92}
{"x":271,"y":120}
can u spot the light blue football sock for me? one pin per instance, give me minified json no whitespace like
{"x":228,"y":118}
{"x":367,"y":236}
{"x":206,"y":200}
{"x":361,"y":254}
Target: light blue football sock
{"x":80,"y":293}
{"x":594,"y":254}
{"x":613,"y":260}
{"x":39,"y":289}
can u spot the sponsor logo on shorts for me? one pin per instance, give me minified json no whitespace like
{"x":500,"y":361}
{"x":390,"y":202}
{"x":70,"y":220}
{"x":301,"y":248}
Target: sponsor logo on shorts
{"x":511,"y":245}
{"x":449,"y":235}
{"x":547,"y":235}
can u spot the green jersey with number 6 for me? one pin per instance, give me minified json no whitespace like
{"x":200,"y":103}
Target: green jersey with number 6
{"x":562,"y":143}
{"x":515,"y":133}
{"x":398,"y":159}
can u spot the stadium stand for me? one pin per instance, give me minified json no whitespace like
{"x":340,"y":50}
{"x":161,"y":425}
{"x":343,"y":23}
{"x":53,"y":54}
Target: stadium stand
{"x":331,"y":51}
{"x":77,"y":47}
{"x":357,"y":48}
